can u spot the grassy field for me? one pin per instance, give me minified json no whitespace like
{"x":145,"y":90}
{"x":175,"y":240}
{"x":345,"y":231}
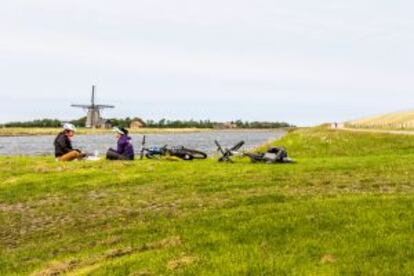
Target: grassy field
{"x":346,"y":207}
{"x":82,"y":131}
{"x":398,"y":121}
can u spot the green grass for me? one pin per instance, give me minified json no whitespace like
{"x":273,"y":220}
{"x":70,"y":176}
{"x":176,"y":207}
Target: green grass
{"x":347,"y":207}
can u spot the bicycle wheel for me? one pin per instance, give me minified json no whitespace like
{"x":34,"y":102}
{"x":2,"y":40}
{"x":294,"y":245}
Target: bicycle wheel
{"x":142,"y":154}
{"x":255,"y":157}
{"x":153,"y":156}
{"x":195,"y":154}
{"x":238,"y":146}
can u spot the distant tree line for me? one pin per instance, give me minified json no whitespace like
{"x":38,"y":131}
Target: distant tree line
{"x":163,"y":123}
{"x":36,"y":123}
{"x":258,"y":124}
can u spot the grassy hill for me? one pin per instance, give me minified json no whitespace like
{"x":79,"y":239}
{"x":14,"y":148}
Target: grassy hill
{"x":347,"y":207}
{"x":401,"y":120}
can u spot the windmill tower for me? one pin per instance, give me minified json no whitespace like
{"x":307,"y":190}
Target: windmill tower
{"x":93,"y":118}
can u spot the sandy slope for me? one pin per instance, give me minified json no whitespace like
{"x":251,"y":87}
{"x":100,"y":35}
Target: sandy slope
{"x":400,"y":120}
{"x":399,"y":132}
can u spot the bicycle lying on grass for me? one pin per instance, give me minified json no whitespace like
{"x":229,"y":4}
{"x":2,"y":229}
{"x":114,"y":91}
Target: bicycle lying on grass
{"x":228,"y":153}
{"x":181,"y":152}
{"x":271,"y":156}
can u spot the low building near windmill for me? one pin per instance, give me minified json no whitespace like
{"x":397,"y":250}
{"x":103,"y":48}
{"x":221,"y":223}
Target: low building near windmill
{"x":227,"y":125}
{"x":105,"y":124}
{"x":137,"y":123}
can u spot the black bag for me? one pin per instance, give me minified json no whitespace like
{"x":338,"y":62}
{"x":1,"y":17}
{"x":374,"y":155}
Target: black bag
{"x":275,"y":155}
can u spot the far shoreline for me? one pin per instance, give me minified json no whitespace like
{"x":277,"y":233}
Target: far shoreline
{"x":19,"y":132}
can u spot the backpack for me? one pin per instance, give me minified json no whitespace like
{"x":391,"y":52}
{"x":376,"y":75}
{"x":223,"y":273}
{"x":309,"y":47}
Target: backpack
{"x":275,"y":155}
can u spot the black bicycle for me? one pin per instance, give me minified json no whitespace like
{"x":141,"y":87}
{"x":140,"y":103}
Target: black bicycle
{"x":181,"y":152}
{"x":271,"y":156}
{"x":228,"y":153}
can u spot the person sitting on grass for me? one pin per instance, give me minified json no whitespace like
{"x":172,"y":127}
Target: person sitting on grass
{"x":125,"y":149}
{"x":63,"y":145}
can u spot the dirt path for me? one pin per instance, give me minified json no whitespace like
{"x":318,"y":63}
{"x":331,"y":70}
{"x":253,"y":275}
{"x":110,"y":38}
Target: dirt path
{"x":398,"y":132}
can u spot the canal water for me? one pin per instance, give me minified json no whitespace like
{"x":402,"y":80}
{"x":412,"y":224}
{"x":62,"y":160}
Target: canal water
{"x":43,"y":145}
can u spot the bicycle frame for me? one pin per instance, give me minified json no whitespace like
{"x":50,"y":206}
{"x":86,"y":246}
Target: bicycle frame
{"x":177,"y":151}
{"x":228,"y":153}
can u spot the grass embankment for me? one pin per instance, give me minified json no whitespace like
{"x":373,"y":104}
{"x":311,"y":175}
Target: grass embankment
{"x":83,"y":131}
{"x":347,"y":207}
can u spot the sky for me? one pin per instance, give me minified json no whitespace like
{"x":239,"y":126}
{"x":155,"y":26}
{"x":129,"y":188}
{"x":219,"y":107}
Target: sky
{"x":304,"y":62}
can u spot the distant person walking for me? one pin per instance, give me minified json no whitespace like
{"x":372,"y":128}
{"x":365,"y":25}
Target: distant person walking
{"x":63,"y":145}
{"x":125,"y":149}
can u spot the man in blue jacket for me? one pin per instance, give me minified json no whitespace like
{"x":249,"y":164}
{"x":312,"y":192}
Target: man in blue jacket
{"x":125,"y":149}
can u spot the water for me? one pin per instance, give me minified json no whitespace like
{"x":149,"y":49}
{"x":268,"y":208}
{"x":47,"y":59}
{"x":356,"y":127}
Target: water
{"x":43,"y":145}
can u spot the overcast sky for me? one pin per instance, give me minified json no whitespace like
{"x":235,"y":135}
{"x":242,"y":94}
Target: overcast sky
{"x":301,"y":61}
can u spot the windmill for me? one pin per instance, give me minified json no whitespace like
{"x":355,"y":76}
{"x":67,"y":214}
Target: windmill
{"x":93,"y":118}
